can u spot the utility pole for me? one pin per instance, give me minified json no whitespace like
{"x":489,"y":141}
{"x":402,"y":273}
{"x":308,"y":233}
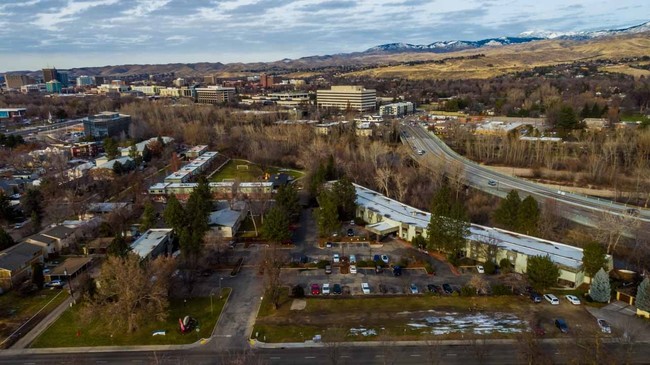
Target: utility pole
{"x":65,"y":272}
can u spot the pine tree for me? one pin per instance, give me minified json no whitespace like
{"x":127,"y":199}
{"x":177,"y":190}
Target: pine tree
{"x":346,"y":196}
{"x":287,"y":200}
{"x":528,"y":216}
{"x":327,"y":216}
{"x":507,"y":215}
{"x":542,"y":272}
{"x":643,"y":295}
{"x":449,"y":226}
{"x":148,"y":216}
{"x":174,"y":214}
{"x":593,"y":258}
{"x":600,"y":290}
{"x":275,"y":228}
{"x":6,"y":240}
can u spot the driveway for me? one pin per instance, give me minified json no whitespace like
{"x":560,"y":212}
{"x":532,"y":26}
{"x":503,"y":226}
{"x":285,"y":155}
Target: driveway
{"x":622,"y":317}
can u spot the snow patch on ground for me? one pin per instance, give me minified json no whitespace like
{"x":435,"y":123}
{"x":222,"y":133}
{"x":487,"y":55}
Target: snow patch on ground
{"x":480,"y":323}
{"x":363,"y":332}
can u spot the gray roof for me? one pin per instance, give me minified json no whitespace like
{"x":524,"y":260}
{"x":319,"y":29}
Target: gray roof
{"x":42,"y":239}
{"x":15,"y":257}
{"x":58,"y":232}
{"x":225,"y":217}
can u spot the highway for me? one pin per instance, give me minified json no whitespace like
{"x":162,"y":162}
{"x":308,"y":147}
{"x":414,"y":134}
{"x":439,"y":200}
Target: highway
{"x":45,"y":128}
{"x":578,"y":208}
{"x":389,"y":353}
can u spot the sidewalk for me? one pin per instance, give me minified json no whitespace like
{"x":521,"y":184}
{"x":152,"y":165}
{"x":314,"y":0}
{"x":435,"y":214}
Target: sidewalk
{"x":30,"y":336}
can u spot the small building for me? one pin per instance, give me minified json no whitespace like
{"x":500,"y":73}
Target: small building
{"x":48,"y":245}
{"x":101,"y":209}
{"x":252,"y":188}
{"x":596,"y":124}
{"x":69,"y":268}
{"x":153,"y":243}
{"x":225,"y":222}
{"x":397,"y":109}
{"x":52,"y":240}
{"x":498,"y":128}
{"x":107,"y":124}
{"x":139,"y":147}
{"x":16,"y":263}
{"x":12,"y":113}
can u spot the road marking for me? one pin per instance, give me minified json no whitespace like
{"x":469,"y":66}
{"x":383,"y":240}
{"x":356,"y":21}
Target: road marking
{"x":451,"y":354}
{"x":310,"y":357}
{"x":379,"y":355}
{"x":415,"y":355}
{"x":344,"y":356}
{"x":275,"y":357}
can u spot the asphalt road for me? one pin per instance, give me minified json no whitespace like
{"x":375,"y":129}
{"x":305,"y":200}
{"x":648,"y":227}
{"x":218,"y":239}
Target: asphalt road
{"x":501,"y":353}
{"x":578,"y":208}
{"x":47,"y":128}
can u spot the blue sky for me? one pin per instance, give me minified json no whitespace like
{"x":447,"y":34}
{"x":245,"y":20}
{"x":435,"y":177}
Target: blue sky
{"x":74,"y":33}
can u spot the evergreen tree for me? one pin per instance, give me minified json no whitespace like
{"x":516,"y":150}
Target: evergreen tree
{"x":118,"y":247}
{"x":507,"y":214}
{"x":346,"y":196}
{"x":38,"y":278}
{"x":118,"y":168}
{"x":567,"y":119}
{"x":32,"y":203}
{"x":586,"y":111}
{"x":643,"y":295}
{"x":542,"y":272}
{"x":528,"y":216}
{"x":7,"y":212}
{"x":317,"y":179}
{"x":449,"y":226}
{"x":133,"y":151}
{"x":111,"y":148}
{"x":600,"y":290}
{"x":6,"y":240}
{"x":330,"y":169}
{"x":174,"y":214}
{"x":146,"y":154}
{"x":275,"y":228}
{"x":596,"y":112}
{"x":593,"y":258}
{"x":148,"y":216}
{"x":327,"y":216}
{"x":287,"y":200}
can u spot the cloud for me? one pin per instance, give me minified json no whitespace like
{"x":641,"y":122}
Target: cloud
{"x":51,"y":21}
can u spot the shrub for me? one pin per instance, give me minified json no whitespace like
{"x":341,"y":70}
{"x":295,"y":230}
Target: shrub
{"x":298,"y":291}
{"x":489,"y":267}
{"x":322,"y":263}
{"x":429,"y":268}
{"x":467,"y":291}
{"x":505,"y":265}
{"x":453,"y":259}
{"x":500,"y":289}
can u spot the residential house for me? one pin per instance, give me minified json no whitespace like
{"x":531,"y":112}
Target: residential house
{"x":16,"y":263}
{"x":225,"y":222}
{"x":153,"y":243}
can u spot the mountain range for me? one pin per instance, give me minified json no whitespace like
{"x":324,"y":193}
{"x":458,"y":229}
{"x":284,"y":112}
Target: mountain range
{"x":525,"y":37}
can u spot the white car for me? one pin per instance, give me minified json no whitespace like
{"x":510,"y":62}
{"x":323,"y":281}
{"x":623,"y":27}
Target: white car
{"x":353,"y":269}
{"x":573,"y":299}
{"x":365,"y":288}
{"x":604,"y":326}
{"x":384,"y":258}
{"x":325,"y":289}
{"x":552,"y":299}
{"x":353,"y":259}
{"x":336,"y":258}
{"x":480,"y":269}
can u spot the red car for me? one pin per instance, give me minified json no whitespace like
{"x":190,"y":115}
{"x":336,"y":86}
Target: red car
{"x":315,"y":289}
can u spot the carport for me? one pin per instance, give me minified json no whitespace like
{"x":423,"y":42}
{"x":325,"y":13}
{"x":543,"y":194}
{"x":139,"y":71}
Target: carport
{"x":382,"y":229}
{"x":69,"y":268}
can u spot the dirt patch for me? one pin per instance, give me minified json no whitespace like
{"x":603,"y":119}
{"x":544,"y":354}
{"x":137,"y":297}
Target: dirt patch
{"x":298,"y":304}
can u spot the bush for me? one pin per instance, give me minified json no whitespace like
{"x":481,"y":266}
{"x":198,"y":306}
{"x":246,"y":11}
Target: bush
{"x":322,"y":263}
{"x":429,"y":268}
{"x":467,"y":291}
{"x":453,"y":259}
{"x":298,"y":291}
{"x":489,"y":267}
{"x":499,"y":289}
{"x":505,"y":265}
{"x":362,"y":263}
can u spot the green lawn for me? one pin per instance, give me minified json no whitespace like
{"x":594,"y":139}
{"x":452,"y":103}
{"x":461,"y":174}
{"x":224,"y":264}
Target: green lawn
{"x":15,"y":310}
{"x":69,"y":331}
{"x":253,"y":172}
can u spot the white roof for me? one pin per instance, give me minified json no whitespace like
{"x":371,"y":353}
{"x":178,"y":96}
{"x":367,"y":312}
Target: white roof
{"x":498,"y":126}
{"x":225,"y":217}
{"x":255,"y":184}
{"x":146,"y":243}
{"x":111,"y":163}
{"x":561,"y":254}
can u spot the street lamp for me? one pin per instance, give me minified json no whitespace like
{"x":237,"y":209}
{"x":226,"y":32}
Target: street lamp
{"x":220,"y":295}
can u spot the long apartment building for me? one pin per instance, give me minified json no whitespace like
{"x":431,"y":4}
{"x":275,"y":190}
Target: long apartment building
{"x":352,"y":97}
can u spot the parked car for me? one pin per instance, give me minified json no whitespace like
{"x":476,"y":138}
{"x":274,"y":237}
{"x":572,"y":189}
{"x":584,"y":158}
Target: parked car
{"x":315,"y":289}
{"x":431,"y":288}
{"x":353,"y":269}
{"x":447,"y":288}
{"x":414,"y":289}
{"x":573,"y":299}
{"x":379,"y":269}
{"x":46,"y":271}
{"x":328,"y":269}
{"x":350,"y":232}
{"x":328,"y":244}
{"x":336,"y":289}
{"x":55,"y":284}
{"x":326,"y":288}
{"x":336,"y":258}
{"x":353,"y":259}
{"x":376,"y":258}
{"x":384,"y":258}
{"x":538,"y":329}
{"x":397,"y":271}
{"x":365,"y":288}
{"x":552,"y":299}
{"x":480,"y":269}
{"x":561,"y":324}
{"x":604,"y":326}
{"x":535,"y":297}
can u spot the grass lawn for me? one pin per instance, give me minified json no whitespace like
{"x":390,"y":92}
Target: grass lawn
{"x":253,"y":173}
{"x":15,"y":310}
{"x":388,"y":316}
{"x":70,"y":331}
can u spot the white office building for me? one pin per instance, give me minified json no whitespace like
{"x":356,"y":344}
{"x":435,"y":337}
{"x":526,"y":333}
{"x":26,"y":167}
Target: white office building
{"x":347,"y":97}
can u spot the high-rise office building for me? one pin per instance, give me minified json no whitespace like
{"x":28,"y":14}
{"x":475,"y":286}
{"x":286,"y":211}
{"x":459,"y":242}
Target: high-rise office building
{"x":214,"y":94}
{"x":347,"y":97}
{"x":49,"y":74}
{"x":53,"y":86}
{"x":16,"y":81}
{"x":85,"y":81}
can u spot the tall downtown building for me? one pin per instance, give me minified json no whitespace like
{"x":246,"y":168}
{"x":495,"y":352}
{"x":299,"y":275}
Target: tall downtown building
{"x":350,"y":97}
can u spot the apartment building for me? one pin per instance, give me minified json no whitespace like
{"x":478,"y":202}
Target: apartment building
{"x":214,"y":94}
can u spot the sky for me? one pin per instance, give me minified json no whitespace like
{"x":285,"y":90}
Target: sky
{"x":72,"y":33}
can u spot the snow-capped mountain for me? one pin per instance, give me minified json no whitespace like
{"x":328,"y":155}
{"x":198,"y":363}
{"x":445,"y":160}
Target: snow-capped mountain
{"x":525,"y":37}
{"x":645,"y":27}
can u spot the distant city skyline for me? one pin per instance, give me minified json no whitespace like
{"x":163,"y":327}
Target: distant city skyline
{"x":70,"y":33}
